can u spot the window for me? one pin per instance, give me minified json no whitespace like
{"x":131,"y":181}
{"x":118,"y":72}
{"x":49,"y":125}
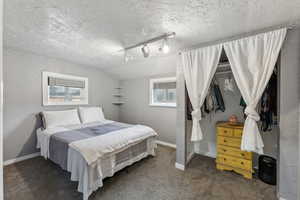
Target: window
{"x":163,"y":92}
{"x":60,"y":89}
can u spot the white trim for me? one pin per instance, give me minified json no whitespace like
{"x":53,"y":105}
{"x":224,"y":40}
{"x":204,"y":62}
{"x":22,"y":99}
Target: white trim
{"x":179,"y":166}
{"x":280,"y":198}
{"x":19,"y":159}
{"x":166,"y":144}
{"x":160,"y":80}
{"x":169,"y":105}
{"x":45,"y":91}
{"x":190,"y":157}
{"x":208,"y":154}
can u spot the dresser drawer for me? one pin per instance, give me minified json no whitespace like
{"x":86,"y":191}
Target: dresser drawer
{"x":234,"y":162}
{"x":243,"y":164}
{"x":225,"y":160}
{"x":225,"y":131}
{"x":234,"y":152}
{"x":232,"y":142}
{"x":238,"y":133}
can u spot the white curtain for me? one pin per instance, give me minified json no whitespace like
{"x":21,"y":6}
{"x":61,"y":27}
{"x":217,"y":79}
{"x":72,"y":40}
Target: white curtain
{"x":199,"y":67}
{"x":252,"y":61}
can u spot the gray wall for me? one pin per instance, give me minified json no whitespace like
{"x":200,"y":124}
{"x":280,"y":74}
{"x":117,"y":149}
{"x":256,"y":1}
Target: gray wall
{"x":289,"y":116}
{"x":182,"y":141}
{"x":136,"y":109}
{"x":23,"y":96}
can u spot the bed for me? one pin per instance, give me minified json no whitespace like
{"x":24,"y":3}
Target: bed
{"x":92,"y":151}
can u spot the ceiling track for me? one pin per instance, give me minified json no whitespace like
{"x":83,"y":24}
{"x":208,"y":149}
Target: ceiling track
{"x":161,"y":37}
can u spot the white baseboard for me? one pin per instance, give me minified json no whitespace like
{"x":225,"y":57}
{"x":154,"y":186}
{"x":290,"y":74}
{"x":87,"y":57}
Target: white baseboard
{"x":208,"y":154}
{"x":180,"y":166}
{"x":190,"y":156}
{"x":166,"y":144}
{"x":211,"y":155}
{"x":19,"y":159}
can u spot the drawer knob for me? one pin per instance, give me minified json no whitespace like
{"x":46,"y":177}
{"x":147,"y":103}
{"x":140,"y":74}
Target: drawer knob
{"x":224,"y":158}
{"x":225,"y":131}
{"x":224,"y":150}
{"x":243,"y":154}
{"x":225,"y":140}
{"x":242,"y":163}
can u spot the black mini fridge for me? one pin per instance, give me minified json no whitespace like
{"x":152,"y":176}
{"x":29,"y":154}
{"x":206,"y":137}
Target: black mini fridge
{"x":267,"y":169}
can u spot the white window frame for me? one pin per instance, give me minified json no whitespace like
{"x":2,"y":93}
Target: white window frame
{"x":45,"y":76}
{"x":160,"y":80}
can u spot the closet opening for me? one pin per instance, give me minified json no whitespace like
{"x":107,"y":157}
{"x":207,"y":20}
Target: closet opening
{"x":223,"y":118}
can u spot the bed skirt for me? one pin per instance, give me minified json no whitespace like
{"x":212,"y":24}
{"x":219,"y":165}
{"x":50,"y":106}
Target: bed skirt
{"x":90,"y":177}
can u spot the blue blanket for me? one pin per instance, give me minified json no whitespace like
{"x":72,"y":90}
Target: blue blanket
{"x":59,"y":142}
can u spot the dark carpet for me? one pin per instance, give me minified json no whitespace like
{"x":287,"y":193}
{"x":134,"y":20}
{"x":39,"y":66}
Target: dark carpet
{"x":152,"y":178}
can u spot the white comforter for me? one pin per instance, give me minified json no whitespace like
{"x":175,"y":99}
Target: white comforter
{"x":94,"y":148}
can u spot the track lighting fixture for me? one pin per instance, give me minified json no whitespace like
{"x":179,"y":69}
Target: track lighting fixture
{"x":165,"y":48}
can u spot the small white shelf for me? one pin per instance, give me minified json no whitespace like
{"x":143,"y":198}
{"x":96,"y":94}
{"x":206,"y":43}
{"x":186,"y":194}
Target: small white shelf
{"x":118,"y":103}
{"x":117,"y":95}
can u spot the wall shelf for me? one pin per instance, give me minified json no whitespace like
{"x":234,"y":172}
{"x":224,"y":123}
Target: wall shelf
{"x":118,"y":103}
{"x":118,"y":97}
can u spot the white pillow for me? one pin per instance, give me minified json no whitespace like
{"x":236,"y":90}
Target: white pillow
{"x":91,"y":114}
{"x":61,"y":118}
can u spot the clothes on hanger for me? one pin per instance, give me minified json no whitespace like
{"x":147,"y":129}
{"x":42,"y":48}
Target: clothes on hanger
{"x":209,"y":104}
{"x":268,"y":104}
{"x":267,"y":108}
{"x":213,"y":101}
{"x":218,"y":96}
{"x":244,"y":105}
{"x":189,"y":107}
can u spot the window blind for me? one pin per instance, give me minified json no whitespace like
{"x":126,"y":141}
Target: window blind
{"x":53,"y":81}
{"x":164,"y":85}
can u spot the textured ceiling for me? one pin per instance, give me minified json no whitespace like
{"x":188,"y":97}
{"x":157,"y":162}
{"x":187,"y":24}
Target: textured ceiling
{"x":92,"y":32}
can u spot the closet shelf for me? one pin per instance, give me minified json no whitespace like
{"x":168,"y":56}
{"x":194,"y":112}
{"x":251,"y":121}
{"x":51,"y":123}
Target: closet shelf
{"x":223,"y":68}
{"x":224,"y":64}
{"x":223,"y":72}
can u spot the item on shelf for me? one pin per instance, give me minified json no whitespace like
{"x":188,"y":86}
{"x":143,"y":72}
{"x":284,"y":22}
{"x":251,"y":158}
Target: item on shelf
{"x":229,"y":84}
{"x":233,"y":119}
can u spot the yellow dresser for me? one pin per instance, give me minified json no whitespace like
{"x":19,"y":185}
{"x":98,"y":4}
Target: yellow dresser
{"x":229,"y":155}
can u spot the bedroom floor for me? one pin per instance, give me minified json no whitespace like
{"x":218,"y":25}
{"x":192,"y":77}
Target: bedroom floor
{"x":153,"y":178}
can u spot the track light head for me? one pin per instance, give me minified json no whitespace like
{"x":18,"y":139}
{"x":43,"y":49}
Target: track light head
{"x":127,"y":57}
{"x":165,"y":47}
{"x":146,"y":51}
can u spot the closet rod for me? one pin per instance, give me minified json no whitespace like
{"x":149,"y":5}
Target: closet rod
{"x":240,"y":36}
